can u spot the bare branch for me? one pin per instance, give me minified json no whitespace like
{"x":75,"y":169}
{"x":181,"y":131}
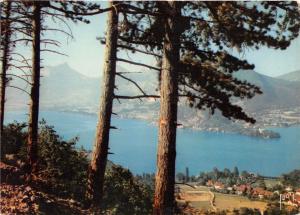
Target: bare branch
{"x":128,"y":72}
{"x":19,"y":67}
{"x":24,"y":39}
{"x":139,"y":50}
{"x":130,"y":80}
{"x":56,"y":52}
{"x":50,"y":41}
{"x":19,"y":89}
{"x":138,"y":64}
{"x":28,"y":82}
{"x":136,"y":97}
{"x":59,"y":30}
{"x":63,"y":21}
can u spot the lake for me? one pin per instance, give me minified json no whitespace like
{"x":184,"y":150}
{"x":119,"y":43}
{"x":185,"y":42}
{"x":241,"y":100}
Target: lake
{"x":134,"y":145}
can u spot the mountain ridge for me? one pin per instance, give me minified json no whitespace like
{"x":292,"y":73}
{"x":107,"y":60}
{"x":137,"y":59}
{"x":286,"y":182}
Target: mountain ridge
{"x":291,"y":76}
{"x":64,"y":88}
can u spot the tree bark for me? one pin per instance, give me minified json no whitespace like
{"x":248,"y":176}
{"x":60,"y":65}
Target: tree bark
{"x":4,"y":68}
{"x":100,"y":152}
{"x":164,"y":201}
{"x":35,"y":89}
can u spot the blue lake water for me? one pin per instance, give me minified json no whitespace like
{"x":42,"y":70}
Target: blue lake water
{"x":134,"y":145}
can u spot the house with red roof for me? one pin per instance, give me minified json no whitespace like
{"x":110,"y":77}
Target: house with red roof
{"x":209,"y":183}
{"x":261,"y":193}
{"x":297,"y":200}
{"x":219,"y":186}
{"x":297,"y":192}
{"x":242,"y":189}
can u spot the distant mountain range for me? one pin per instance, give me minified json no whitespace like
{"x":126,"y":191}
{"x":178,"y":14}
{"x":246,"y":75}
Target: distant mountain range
{"x":278,"y":93}
{"x":292,"y":76}
{"x":63,"y":88}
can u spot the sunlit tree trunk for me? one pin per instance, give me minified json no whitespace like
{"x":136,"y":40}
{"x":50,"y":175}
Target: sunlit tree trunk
{"x":5,"y":56}
{"x":100,"y":152}
{"x":35,"y":89}
{"x":164,"y":201}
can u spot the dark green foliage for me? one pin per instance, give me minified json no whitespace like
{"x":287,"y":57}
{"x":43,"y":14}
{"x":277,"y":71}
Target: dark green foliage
{"x":61,"y":167}
{"x":75,"y":10}
{"x":262,"y":184}
{"x":227,"y":177}
{"x":123,"y":194}
{"x":246,"y":211}
{"x":62,"y":170}
{"x":292,"y":178}
{"x":236,"y":172}
{"x":274,"y":209}
{"x":13,"y":138}
{"x":211,"y":32}
{"x":147,"y":178}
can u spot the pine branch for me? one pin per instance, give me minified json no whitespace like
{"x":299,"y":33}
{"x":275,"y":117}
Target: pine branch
{"x":138,"y":42}
{"x":81,"y":13}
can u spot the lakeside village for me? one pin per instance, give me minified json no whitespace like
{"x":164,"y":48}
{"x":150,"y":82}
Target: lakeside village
{"x":284,"y":189}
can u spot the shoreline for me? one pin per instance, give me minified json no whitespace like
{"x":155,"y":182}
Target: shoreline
{"x":263,"y":132}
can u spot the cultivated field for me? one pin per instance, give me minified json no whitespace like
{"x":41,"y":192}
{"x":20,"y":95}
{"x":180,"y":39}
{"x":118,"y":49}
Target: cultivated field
{"x":202,"y":199}
{"x":230,"y":202}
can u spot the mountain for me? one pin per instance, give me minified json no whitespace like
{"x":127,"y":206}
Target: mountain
{"x":63,"y":88}
{"x":277,"y":93}
{"x":292,"y":76}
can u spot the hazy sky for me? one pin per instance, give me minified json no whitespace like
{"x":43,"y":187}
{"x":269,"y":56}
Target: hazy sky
{"x":85,"y":53}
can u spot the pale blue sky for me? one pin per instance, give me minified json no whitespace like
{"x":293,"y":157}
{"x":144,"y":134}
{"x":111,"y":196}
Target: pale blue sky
{"x":85,"y":53}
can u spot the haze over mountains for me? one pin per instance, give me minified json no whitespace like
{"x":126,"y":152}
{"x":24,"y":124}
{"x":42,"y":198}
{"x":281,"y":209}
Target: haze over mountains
{"x":278,"y":93}
{"x":292,"y":76}
{"x":63,"y":88}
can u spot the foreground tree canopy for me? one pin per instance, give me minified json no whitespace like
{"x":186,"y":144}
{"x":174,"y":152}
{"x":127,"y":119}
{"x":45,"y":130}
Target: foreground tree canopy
{"x":194,"y":42}
{"x":209,"y":33}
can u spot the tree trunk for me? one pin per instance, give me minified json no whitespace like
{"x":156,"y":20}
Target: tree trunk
{"x":100,"y":152}
{"x":35,"y":89}
{"x":5,"y":63}
{"x":164,"y":201}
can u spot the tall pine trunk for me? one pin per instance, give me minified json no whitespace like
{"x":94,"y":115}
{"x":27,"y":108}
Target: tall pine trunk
{"x":100,"y":152}
{"x":35,"y":88}
{"x":5,"y":56}
{"x":164,"y":201}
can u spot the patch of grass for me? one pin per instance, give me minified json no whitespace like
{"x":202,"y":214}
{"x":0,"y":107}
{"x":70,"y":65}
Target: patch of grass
{"x":230,"y":202}
{"x":203,"y":205}
{"x":270,"y":183}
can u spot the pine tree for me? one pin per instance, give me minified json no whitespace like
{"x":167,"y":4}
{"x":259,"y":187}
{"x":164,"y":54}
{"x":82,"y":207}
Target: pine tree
{"x":5,"y":41}
{"x":206,"y":32}
{"x":100,"y":151}
{"x":35,"y":89}
{"x":36,"y":11}
{"x":13,"y":33}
